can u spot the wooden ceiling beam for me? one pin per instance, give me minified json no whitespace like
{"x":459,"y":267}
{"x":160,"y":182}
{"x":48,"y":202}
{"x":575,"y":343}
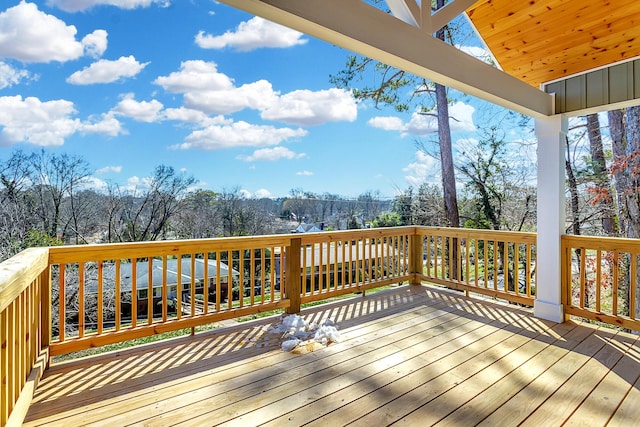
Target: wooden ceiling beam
{"x":361,"y":28}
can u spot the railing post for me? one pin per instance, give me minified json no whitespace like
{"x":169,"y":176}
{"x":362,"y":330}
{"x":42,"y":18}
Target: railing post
{"x":293,"y":281}
{"x":415,"y":257}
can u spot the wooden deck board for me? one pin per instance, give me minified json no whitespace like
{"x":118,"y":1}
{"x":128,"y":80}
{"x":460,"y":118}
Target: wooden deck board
{"x":410,"y":356}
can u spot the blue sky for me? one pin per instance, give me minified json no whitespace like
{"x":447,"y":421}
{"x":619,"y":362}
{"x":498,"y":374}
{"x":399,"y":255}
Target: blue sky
{"x":234,"y":100}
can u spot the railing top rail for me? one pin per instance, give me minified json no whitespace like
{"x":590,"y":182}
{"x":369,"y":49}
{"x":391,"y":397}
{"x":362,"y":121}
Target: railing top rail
{"x":80,"y":253}
{"x":603,"y":242}
{"x":499,"y":235}
{"x":342,"y":235}
{"x":18,"y":272}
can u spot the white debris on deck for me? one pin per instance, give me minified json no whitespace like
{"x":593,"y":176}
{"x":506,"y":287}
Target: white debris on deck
{"x":299,"y":336}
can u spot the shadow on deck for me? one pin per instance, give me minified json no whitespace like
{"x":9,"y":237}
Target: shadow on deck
{"x":412,"y":355}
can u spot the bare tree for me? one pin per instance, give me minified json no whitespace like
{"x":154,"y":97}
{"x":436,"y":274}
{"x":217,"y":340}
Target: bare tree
{"x":146,"y":213}
{"x":370,"y":205}
{"x":54,"y":178}
{"x":200,"y":217}
{"x":33,"y":190}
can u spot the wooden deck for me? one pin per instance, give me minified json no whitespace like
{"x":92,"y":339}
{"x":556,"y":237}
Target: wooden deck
{"x":410,"y":356}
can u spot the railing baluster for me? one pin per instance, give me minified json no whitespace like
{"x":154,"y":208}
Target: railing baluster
{"x":62,"y":305}
{"x":633,"y":279}
{"x":179,"y":287}
{"x":219,"y":282}
{"x":205,"y":282}
{"x":320,"y":282}
{"x":6,"y":401}
{"x":273,"y":272}
{"x":12,"y":381}
{"x":242,"y":278}
{"x":598,"y":283}
{"x":476,"y":263}
{"x":134,"y":293}
{"x":583,"y":275}
{"x":99,"y":297}
{"x":81,"y":299}
{"x":192,"y":284}
{"x":164,"y":288}
{"x":338,"y":266}
{"x":516,"y":267}
{"x":150,"y":295}
{"x":118,"y":295}
{"x":19,"y":346}
{"x":615,"y":283}
{"x":230,"y":280}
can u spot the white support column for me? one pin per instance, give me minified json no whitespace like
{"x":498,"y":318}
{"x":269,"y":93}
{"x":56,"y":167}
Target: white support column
{"x":551,"y":133}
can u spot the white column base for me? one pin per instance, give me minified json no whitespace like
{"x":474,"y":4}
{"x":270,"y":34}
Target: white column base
{"x":548,"y":311}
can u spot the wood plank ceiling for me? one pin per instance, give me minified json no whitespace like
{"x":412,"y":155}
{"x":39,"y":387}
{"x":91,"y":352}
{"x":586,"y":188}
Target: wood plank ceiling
{"x":539,"y":41}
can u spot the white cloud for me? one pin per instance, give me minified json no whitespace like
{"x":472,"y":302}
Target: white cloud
{"x":94,"y":183}
{"x":188,"y":115}
{"x":142,"y":111}
{"x":95,"y":44}
{"x":238,"y":134}
{"x":207,"y":90}
{"x":253,"y":34}
{"x":135,"y":184}
{"x":263,"y":193}
{"x":387,"y":123}
{"x":45,"y":123}
{"x":195,"y":76}
{"x":421,"y":124}
{"x":10,"y":76}
{"x":107,"y":124}
{"x":271,"y":155}
{"x":105,"y":71}
{"x":107,"y":169}
{"x":304,"y":173}
{"x":30,"y":35}
{"x":461,"y":119}
{"x":258,"y":95}
{"x":423,"y":169}
{"x":307,"y":108}
{"x":478,"y":52}
{"x":82,"y":5}
{"x":461,"y":115}
{"x":245,"y":194}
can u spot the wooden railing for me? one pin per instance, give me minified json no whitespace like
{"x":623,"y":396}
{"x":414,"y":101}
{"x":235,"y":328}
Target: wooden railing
{"x":494,"y":263}
{"x":63,"y":299}
{"x":24,"y":323}
{"x":344,"y":262}
{"x":600,"y":279}
{"x":104,"y":294}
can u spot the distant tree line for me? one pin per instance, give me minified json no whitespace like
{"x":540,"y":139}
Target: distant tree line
{"x":47,"y":198}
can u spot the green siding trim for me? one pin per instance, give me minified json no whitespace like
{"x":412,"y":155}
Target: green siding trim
{"x":617,"y":83}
